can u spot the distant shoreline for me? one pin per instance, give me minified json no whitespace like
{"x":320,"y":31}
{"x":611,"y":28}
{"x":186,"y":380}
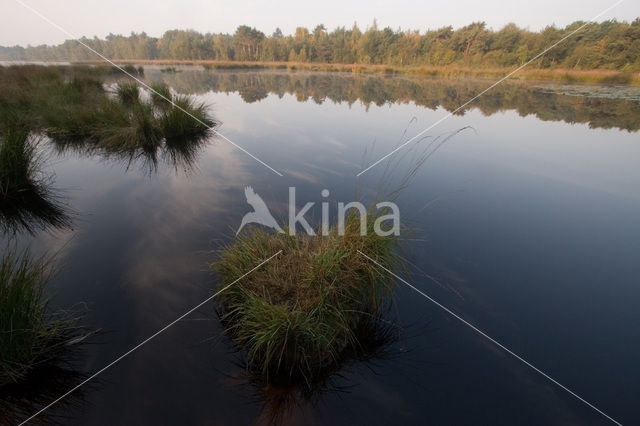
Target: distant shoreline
{"x":563,"y":75}
{"x":545,"y":74}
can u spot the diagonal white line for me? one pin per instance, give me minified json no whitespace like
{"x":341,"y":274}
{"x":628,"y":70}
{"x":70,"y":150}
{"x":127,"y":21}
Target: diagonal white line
{"x":94,"y":375}
{"x":490,"y":87}
{"x":49,"y":21}
{"x":494,"y":341}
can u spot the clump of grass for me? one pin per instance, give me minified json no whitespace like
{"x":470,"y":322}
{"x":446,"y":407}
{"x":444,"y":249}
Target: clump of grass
{"x":128,"y":93}
{"x":29,"y":335}
{"x":20,"y":89}
{"x":131,"y":69}
{"x":176,"y":124}
{"x":26,"y":198}
{"x":280,"y":397}
{"x":140,"y":130}
{"x":160,"y":95}
{"x":302,"y":314}
{"x":17,"y":166}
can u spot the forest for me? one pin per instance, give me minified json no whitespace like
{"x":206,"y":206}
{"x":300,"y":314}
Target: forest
{"x":609,"y":45}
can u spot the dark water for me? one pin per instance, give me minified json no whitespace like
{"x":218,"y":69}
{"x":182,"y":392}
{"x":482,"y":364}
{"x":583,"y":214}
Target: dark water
{"x":529,"y":222}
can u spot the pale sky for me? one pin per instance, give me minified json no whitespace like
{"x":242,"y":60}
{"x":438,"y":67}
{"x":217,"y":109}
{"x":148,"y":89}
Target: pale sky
{"x":98,"y":17}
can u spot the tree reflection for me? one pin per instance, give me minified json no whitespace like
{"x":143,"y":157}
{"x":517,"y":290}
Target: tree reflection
{"x":600,"y":107}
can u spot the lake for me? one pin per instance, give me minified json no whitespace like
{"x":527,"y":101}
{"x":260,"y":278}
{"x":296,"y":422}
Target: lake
{"x":525,"y":222}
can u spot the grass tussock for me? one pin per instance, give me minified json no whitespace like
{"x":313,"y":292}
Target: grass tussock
{"x":17,"y":166}
{"x":128,"y":93}
{"x":29,"y":335}
{"x":175,"y":124}
{"x":306,"y":311}
{"x":161,"y":95}
{"x":26,"y":198}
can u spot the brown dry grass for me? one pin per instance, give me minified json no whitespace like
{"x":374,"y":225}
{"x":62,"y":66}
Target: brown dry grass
{"x":557,"y":74}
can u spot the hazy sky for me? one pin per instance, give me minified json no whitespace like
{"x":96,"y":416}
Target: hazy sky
{"x":100,"y":17}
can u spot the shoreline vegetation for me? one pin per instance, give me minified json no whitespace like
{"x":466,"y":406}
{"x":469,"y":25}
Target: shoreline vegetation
{"x":87,"y":109}
{"x":541,"y":74}
{"x":27,"y":198}
{"x":84,"y":110}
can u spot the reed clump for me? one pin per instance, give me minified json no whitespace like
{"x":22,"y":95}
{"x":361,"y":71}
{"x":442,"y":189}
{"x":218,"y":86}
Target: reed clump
{"x":17,"y":166}
{"x":306,"y":311}
{"x":30,"y":335}
{"x":27,"y":200}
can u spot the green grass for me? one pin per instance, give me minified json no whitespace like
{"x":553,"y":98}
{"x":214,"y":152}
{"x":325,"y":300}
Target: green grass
{"x":160,"y":95}
{"x":304,"y":313}
{"x":17,"y":166}
{"x":176,"y":124}
{"x":72,"y":107}
{"x":29,"y":335}
{"x":128,"y":93}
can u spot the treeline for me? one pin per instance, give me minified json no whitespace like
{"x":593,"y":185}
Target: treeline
{"x":606,"y":45}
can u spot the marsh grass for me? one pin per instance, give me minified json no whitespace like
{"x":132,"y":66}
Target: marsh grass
{"x":30,"y":335}
{"x":177,"y":125}
{"x":160,"y":95}
{"x":73,"y":108}
{"x":128,"y":93}
{"x":448,"y":71}
{"x":303,"y":314}
{"x":281,"y":397}
{"x":17,"y":166}
{"x":27,"y":199}
{"x":130,"y":126}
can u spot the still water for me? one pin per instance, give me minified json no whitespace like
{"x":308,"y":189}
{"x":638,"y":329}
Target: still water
{"x":526,"y":223}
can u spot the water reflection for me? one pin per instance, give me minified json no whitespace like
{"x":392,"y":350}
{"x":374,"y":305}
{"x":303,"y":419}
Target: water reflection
{"x":42,"y":386}
{"x":180,"y":154}
{"x":28,"y":199}
{"x":39,"y":207}
{"x":501,"y":239}
{"x":282,"y":398}
{"x":609,"y":107}
{"x":30,"y":202}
